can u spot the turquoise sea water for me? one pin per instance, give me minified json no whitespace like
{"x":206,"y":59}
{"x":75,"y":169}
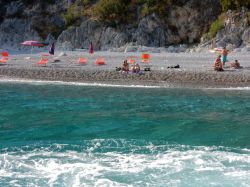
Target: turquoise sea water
{"x":61,"y":135}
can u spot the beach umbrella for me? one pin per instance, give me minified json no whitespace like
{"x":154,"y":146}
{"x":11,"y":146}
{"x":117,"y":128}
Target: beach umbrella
{"x":52,"y":49}
{"x":216,"y":50}
{"x":33,"y":43}
{"x":91,"y":48}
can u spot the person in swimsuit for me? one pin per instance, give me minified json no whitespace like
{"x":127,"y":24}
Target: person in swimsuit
{"x":125,"y":66}
{"x":218,"y":66}
{"x":224,"y":54}
{"x":235,"y":65}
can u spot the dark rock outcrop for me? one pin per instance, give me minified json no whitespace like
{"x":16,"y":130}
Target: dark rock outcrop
{"x":184,"y":23}
{"x":235,"y":31}
{"x":20,"y":21}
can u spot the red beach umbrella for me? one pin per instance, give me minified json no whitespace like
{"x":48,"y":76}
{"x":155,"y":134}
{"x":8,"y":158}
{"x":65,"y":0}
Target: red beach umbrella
{"x":33,"y":43}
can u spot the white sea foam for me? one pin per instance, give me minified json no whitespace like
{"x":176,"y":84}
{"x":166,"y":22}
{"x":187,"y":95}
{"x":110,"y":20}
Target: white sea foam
{"x":231,"y":88}
{"x":43,"y":82}
{"x":163,"y":165}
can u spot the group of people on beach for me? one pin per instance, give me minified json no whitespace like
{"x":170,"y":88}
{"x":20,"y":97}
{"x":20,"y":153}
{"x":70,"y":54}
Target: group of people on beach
{"x":221,"y":60}
{"x":135,"y":68}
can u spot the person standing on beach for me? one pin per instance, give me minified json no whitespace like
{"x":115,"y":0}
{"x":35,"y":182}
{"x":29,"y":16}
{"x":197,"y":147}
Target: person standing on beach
{"x":224,"y":54}
{"x":91,"y":48}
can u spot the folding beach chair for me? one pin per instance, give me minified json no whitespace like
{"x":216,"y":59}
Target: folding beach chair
{"x":145,"y":59}
{"x":82,"y":61}
{"x":5,"y":57}
{"x":100,"y":61}
{"x":131,"y":60}
{"x":43,"y":61}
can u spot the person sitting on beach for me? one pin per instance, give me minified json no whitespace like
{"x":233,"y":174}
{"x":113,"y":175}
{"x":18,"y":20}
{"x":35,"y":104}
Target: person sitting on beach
{"x":136,"y":68}
{"x":125,"y":66}
{"x":235,"y":65}
{"x":218,"y":66}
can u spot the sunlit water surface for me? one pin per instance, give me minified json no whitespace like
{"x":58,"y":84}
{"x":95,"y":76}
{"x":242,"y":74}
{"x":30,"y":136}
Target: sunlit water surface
{"x":61,"y":135}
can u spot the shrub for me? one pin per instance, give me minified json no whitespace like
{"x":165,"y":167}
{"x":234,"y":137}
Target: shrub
{"x":216,"y":26}
{"x":72,"y":15}
{"x":155,"y":6}
{"x":234,"y":4}
{"x":112,"y":11}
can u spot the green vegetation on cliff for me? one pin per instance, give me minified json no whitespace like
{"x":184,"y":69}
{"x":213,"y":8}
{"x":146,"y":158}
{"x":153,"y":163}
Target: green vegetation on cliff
{"x":115,"y":11}
{"x":234,"y":4}
{"x":216,"y":26}
{"x":226,"y":5}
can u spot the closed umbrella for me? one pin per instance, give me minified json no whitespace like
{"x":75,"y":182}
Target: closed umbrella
{"x":91,"y":48}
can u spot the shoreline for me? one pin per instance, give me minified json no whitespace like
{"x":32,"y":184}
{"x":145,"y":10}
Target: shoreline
{"x":172,"y":78}
{"x":196,"y":69}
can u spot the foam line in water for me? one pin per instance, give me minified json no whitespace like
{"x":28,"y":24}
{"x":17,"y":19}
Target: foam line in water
{"x":230,"y":89}
{"x":43,"y":82}
{"x":238,"y":88}
{"x":171,"y":165}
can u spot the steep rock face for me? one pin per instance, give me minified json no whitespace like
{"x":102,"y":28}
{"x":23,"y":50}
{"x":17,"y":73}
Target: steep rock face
{"x":234,"y":34}
{"x":236,"y":30}
{"x":184,"y":23}
{"x":20,"y":21}
{"x":151,"y":32}
{"x":246,"y":36}
{"x":15,"y":31}
{"x":102,"y":37}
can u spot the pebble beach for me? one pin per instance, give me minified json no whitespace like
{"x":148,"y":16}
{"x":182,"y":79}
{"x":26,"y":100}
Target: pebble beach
{"x":196,"y":69}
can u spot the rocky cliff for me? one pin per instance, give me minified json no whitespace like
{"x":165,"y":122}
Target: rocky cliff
{"x":235,"y":32}
{"x":184,"y":22}
{"x":22,"y":20}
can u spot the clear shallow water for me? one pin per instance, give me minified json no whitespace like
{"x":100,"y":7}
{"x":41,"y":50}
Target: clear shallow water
{"x":55,"y":135}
